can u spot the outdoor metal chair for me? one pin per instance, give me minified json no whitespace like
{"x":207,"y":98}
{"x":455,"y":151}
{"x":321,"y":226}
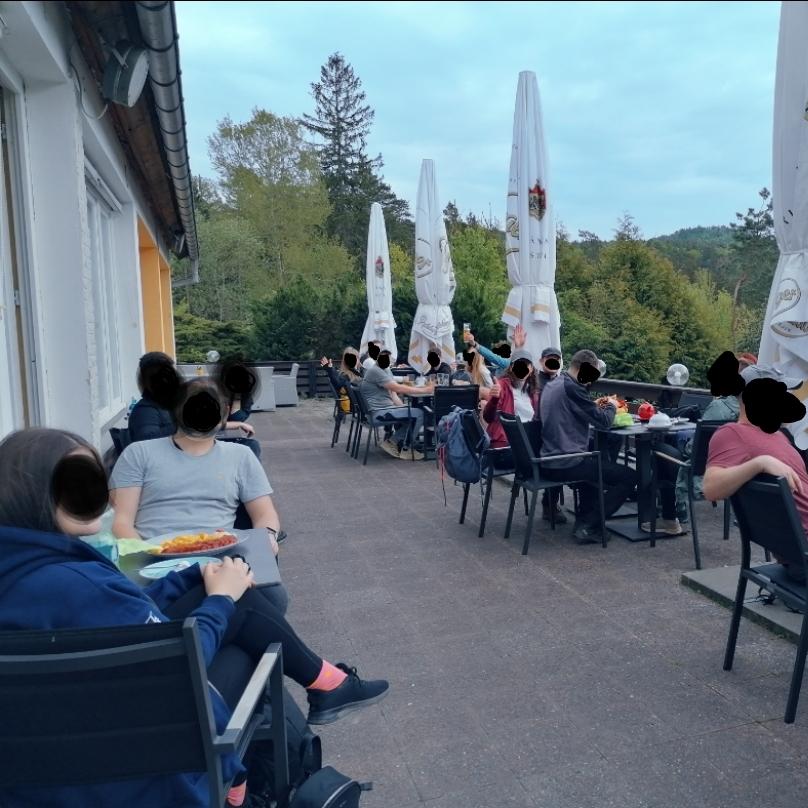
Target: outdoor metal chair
{"x":489,"y":469}
{"x":120,"y":439}
{"x":767,"y":516}
{"x":444,"y":400}
{"x":527,"y":476}
{"x":98,"y":705}
{"x":700,"y":400}
{"x":339,"y":414}
{"x":695,"y":467}
{"x":372,"y":418}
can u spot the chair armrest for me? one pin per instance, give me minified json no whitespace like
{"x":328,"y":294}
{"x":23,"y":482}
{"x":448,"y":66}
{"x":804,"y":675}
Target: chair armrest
{"x":492,"y":449}
{"x":256,"y":687}
{"x":685,"y":464}
{"x":538,"y":460}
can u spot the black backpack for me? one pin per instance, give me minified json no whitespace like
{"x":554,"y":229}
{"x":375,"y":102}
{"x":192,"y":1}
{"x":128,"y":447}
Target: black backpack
{"x":328,"y":788}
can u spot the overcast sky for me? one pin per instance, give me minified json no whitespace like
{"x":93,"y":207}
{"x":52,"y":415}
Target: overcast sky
{"x":663,"y":110}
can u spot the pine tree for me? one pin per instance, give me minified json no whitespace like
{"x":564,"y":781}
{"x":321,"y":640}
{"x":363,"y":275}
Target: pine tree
{"x":342,"y":120}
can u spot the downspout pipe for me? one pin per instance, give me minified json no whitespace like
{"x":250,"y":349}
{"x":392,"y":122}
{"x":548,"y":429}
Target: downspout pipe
{"x":158,"y":27}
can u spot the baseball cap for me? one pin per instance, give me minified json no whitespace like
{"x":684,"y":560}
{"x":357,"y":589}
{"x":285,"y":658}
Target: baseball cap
{"x":551,"y":352}
{"x":753,"y":372}
{"x":522,"y":354}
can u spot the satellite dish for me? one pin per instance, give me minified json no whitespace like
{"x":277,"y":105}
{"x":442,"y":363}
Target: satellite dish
{"x":125,"y":73}
{"x":212,"y":356}
{"x":678,"y":375}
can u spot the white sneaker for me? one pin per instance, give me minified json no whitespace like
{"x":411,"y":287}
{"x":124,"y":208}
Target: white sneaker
{"x":391,"y":447}
{"x":414,"y":454}
{"x":670,"y":526}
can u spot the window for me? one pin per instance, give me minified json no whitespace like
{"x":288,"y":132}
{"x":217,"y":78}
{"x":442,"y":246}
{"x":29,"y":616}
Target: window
{"x":102,"y":209}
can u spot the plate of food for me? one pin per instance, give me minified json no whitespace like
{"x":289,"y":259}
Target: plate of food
{"x":194,"y":543}
{"x":161,"y":568}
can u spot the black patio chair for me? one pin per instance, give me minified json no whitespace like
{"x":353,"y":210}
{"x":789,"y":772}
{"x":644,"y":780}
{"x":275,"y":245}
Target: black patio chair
{"x":695,"y":467}
{"x":767,"y":516}
{"x":339,"y":414}
{"x":490,"y":467}
{"x":699,"y":400}
{"x":527,"y":476}
{"x":444,"y":400}
{"x":120,"y":439}
{"x":98,"y":705}
{"x":372,"y":418}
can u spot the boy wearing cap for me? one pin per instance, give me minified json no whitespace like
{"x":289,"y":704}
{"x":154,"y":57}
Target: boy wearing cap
{"x":567,"y":412}
{"x":550,"y":362}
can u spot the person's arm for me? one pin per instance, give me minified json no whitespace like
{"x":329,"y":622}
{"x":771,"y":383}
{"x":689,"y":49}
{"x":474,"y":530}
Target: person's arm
{"x":246,"y":428}
{"x":394,"y":388}
{"x":263,"y":514}
{"x":599,"y":417}
{"x":125,"y":502}
{"x":494,"y":359}
{"x":721,"y":482}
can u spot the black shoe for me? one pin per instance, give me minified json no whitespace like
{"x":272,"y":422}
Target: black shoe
{"x":326,"y":706}
{"x":586,"y":534}
{"x":560,"y":516}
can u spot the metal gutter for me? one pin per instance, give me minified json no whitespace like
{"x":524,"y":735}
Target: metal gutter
{"x":158,"y":27}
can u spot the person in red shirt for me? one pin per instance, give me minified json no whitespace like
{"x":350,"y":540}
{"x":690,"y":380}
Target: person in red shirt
{"x":755,"y":445}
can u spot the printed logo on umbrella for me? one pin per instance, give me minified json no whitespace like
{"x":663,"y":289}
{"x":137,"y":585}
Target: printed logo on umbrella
{"x":379,"y":267}
{"x":537,"y":201}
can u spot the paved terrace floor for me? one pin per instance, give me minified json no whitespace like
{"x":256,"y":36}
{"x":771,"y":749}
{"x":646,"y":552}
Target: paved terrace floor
{"x":572,"y":678}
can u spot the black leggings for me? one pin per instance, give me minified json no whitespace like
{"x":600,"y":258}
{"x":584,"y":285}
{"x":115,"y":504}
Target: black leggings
{"x":255,"y":624}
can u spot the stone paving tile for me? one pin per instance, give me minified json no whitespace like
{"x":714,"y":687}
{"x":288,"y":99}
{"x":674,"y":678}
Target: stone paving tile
{"x":570,"y":678}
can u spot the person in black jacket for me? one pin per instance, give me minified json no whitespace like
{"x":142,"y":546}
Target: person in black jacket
{"x":159,"y":385}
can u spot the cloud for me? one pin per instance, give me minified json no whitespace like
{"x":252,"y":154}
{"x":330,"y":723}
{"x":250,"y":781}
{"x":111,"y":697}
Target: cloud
{"x":661,"y":109}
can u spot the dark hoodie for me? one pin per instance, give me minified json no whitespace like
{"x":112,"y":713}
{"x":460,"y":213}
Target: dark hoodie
{"x":51,"y":581}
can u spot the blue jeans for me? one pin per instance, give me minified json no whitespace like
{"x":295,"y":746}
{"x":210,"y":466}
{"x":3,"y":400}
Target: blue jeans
{"x":406,"y":430}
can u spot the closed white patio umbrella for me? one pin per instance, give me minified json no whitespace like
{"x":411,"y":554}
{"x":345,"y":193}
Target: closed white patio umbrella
{"x":784,"y":342}
{"x":434,"y":276}
{"x":530,"y":247}
{"x":380,"y":324}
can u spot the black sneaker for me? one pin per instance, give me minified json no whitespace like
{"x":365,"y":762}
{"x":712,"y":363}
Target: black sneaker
{"x":560,"y":516}
{"x":586,"y":534}
{"x":326,"y":706}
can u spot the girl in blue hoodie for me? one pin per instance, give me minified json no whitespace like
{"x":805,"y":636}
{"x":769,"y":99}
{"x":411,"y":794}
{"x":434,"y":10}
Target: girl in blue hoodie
{"x":53,"y":489}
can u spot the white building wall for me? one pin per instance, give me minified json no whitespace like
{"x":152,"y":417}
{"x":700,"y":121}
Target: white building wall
{"x":55,"y":134}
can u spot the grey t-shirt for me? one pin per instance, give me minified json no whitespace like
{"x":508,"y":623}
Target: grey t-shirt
{"x":186,"y":492}
{"x":372,"y":387}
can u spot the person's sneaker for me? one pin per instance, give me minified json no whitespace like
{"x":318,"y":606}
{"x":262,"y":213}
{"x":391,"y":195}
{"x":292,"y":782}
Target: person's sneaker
{"x":391,"y":447}
{"x":414,"y":454}
{"x":669,"y":526}
{"x":586,"y":534}
{"x":560,"y":516}
{"x":326,"y":706}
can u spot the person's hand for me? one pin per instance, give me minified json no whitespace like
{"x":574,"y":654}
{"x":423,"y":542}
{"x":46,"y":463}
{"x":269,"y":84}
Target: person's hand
{"x":248,"y":429}
{"x":494,"y":390}
{"x":771,"y":465}
{"x":519,"y":336}
{"x":231,"y":578}
{"x":325,"y":362}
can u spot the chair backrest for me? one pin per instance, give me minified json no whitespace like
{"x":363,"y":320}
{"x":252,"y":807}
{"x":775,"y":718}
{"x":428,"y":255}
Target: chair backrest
{"x":294,"y":370}
{"x":358,"y":404}
{"x":523,"y":457}
{"x":446,"y":398}
{"x":767,"y":516}
{"x":701,"y":445}
{"x":83,"y":706}
{"x":700,"y":400}
{"x":120,"y":438}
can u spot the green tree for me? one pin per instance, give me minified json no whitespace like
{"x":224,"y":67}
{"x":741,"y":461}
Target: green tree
{"x":482,"y":283}
{"x":195,"y":336}
{"x":405,"y":301}
{"x":341,"y":121}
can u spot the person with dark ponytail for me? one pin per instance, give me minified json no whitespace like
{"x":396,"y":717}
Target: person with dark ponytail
{"x":159,"y":384}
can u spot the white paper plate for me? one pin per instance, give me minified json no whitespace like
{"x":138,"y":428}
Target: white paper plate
{"x":159,"y":570}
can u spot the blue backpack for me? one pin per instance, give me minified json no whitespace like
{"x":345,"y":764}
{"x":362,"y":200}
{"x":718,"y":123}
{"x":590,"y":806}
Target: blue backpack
{"x":456,"y":454}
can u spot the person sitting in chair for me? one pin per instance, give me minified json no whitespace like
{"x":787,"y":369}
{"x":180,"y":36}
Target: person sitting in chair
{"x":567,"y":412}
{"x":381,"y":392}
{"x":755,"y":445}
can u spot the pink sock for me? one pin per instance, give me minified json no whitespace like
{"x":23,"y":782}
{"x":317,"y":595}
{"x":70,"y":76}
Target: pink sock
{"x":330,"y":678}
{"x":237,"y":795}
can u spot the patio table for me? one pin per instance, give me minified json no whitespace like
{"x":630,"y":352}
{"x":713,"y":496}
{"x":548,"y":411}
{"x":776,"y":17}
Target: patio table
{"x":424,"y":397}
{"x":645,"y":440}
{"x":256,"y":551}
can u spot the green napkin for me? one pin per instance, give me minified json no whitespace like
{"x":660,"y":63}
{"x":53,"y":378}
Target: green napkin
{"x":130,"y":546}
